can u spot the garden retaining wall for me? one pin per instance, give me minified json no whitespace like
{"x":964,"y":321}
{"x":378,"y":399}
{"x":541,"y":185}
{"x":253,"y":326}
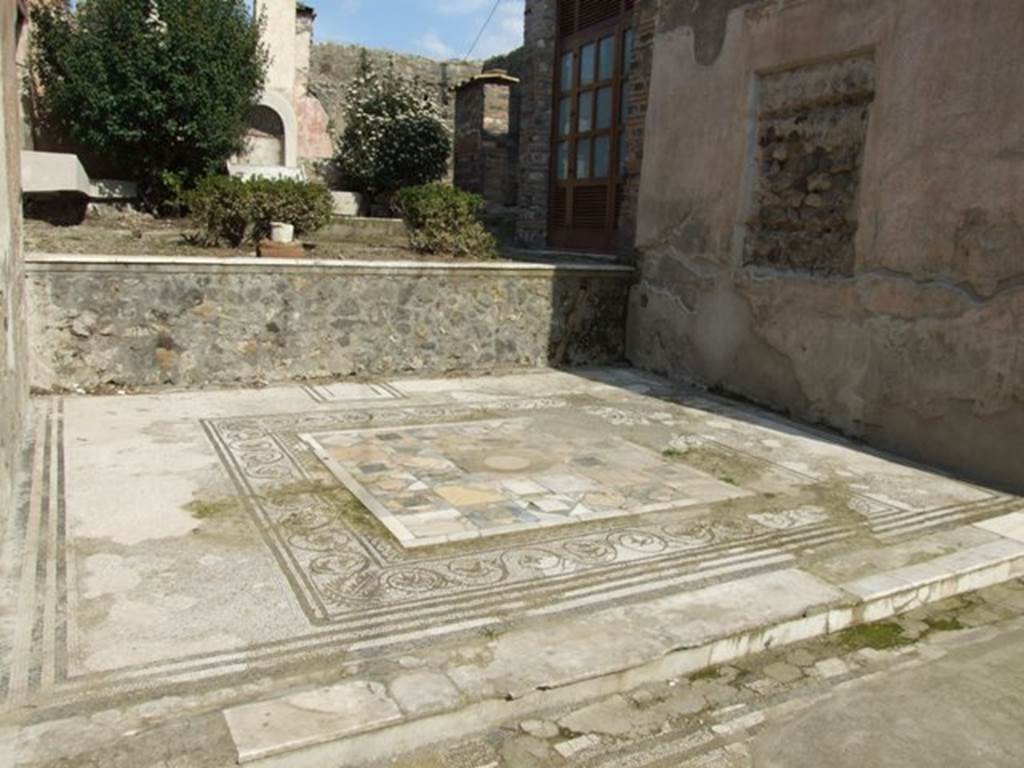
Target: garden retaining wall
{"x":100,"y":322}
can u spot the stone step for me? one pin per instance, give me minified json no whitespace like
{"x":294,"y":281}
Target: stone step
{"x":365,"y":231}
{"x":601,"y":652}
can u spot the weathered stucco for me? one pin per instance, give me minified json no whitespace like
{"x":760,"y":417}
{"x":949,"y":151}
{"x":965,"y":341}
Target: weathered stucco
{"x":98,"y":322}
{"x":915,"y":344}
{"x":13,"y":360}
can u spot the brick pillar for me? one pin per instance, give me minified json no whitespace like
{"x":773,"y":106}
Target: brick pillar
{"x":486,"y":154}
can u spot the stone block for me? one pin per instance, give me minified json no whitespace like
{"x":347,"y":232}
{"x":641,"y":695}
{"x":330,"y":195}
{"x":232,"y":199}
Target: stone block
{"x":299,"y":720}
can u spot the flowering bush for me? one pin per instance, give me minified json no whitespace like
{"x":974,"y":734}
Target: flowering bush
{"x":394,"y":136}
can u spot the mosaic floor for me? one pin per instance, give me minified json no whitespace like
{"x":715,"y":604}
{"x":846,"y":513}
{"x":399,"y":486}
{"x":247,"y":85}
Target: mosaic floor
{"x":175,"y":537}
{"x":449,"y":482}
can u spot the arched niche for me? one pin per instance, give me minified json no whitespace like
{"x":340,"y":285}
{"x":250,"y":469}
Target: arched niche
{"x":273,"y":136}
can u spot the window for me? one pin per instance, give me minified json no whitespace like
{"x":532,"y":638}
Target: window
{"x":606,"y":59}
{"x":586,"y":119}
{"x":604,"y":109}
{"x":565,"y":116}
{"x":568,"y":61}
{"x":588,"y":55}
{"x":563,"y":161}
{"x":583,"y":159}
{"x":602,"y":156}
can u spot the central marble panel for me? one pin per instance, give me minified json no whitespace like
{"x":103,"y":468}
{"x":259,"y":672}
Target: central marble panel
{"x":449,"y":482}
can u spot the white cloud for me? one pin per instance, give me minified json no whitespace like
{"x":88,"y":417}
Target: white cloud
{"x":432,"y":44}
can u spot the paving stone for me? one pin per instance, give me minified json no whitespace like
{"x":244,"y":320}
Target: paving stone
{"x":913,"y":629}
{"x":524,"y":751}
{"x":830,"y":668}
{"x":612,"y":717}
{"x":717,"y":694}
{"x":420,"y":693}
{"x":783,"y":673}
{"x":643,"y":697}
{"x":687,"y":703}
{"x":541,"y":729}
{"x":313,"y":717}
{"x":801,"y":658}
{"x":571,"y":748}
{"x":763,"y":686}
{"x":978,"y":617}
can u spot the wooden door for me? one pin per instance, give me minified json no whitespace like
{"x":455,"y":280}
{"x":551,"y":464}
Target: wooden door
{"x":595,"y":45}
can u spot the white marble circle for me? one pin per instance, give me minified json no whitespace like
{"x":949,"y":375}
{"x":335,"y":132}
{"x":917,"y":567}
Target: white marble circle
{"x":507,"y":462}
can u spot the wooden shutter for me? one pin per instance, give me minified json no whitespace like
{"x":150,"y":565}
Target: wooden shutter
{"x":590,"y":207}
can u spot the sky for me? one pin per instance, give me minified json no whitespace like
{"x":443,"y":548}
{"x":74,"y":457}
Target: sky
{"x":440,"y":29}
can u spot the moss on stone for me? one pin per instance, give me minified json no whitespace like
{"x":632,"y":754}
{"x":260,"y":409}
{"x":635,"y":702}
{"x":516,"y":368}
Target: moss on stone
{"x":210,"y":510}
{"x":944,"y":624}
{"x":728,"y":466}
{"x":880,"y":637}
{"x":710,"y":673}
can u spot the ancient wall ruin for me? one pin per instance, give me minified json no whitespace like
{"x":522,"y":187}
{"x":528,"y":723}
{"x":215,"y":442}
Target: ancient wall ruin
{"x":830,"y":218}
{"x":334,"y":66}
{"x":486,"y":138}
{"x":13,"y":360}
{"x":108,"y":322}
{"x":537,"y":99}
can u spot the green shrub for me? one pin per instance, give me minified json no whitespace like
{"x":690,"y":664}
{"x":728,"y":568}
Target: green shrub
{"x":219,"y":205}
{"x":234,"y":210}
{"x":307,"y":205}
{"x":445,"y":220}
{"x":160,"y":91}
{"x":394,"y":136}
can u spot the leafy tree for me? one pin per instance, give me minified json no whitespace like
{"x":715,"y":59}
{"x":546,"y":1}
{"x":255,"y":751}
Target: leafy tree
{"x":159,"y":89}
{"x":394,"y":136}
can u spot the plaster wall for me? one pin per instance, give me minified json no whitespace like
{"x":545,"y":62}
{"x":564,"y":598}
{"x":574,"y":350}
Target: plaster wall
{"x":279,"y":35}
{"x":917,"y":344}
{"x":13,"y":352}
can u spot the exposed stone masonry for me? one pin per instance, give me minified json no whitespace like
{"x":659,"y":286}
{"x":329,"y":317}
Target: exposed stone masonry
{"x":486,"y":138}
{"x":98,"y":324}
{"x":537,"y":92}
{"x":811,"y":133}
{"x":333,"y":67}
{"x":645,"y":15}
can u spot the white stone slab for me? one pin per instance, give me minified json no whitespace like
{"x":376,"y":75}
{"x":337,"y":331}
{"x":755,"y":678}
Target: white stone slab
{"x":348,"y":204}
{"x":1011,"y":526}
{"x":954,"y":568}
{"x":615,"y":639}
{"x":271,"y":727}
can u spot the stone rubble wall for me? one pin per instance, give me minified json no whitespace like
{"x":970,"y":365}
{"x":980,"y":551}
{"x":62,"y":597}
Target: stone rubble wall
{"x":831,"y":218}
{"x":13,"y":349}
{"x":99,"y":323}
{"x":486,"y":147}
